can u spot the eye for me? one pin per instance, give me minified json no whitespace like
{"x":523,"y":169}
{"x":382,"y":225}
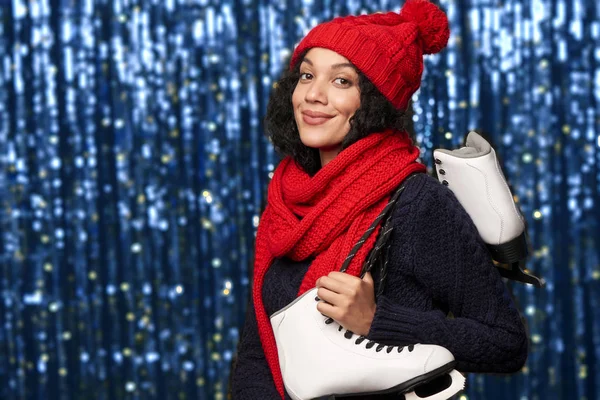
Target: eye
{"x":343,"y":81}
{"x":305,"y":75}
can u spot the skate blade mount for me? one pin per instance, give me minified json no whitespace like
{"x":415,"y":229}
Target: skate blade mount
{"x":440,"y":388}
{"x":510,"y":257}
{"x":517,"y":272}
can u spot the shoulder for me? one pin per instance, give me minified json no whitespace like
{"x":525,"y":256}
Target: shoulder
{"x":427,"y":205}
{"x":423,"y":194}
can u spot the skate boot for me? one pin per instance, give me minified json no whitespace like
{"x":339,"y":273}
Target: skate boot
{"x":319,"y":358}
{"x":474,"y":175}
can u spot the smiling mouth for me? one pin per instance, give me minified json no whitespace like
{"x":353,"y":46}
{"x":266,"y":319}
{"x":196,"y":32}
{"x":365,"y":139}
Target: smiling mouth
{"x":315,"y":120}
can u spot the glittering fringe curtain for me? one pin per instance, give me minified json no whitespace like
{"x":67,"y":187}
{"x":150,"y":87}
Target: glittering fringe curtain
{"x":133,"y":170}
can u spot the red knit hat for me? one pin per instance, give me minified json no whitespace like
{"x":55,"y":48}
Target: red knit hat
{"x":387,"y":47}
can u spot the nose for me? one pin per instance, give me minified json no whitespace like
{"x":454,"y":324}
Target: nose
{"x":316,"y":92}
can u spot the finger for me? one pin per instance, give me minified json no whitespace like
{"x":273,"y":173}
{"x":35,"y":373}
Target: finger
{"x":329,"y":296}
{"x":327,"y":309}
{"x":344,"y":278}
{"x":351,"y":284}
{"x":368,"y":278}
{"x":319,"y":283}
{"x":334,"y":285}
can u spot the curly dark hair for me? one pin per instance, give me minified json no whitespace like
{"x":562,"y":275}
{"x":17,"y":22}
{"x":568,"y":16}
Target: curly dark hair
{"x":375,"y":114}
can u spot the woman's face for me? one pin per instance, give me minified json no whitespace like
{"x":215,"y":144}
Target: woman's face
{"x":325,"y":99}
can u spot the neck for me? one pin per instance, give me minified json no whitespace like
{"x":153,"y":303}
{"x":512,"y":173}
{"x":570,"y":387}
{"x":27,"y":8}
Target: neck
{"x":328,"y":154}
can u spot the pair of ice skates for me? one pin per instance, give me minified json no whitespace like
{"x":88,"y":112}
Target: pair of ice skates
{"x":326,"y":360}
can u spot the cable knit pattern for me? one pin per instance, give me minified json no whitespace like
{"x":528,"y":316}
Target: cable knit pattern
{"x":336,"y":207}
{"x":438,"y":263}
{"x":447,"y":256}
{"x":387,"y":47}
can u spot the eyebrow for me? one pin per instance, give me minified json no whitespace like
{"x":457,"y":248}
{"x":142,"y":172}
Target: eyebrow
{"x":334,"y":66}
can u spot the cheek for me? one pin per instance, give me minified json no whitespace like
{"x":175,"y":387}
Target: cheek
{"x":348,"y":105}
{"x":296,"y":97}
{"x":295,"y":105}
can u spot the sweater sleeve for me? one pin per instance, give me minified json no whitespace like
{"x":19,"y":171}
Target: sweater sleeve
{"x":449,"y":259}
{"x":251,"y":377}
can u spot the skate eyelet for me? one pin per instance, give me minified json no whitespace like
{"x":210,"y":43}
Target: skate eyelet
{"x":317,"y":298}
{"x":438,"y":161}
{"x":389,"y":349}
{"x":370,"y":344}
{"x":340,"y":328}
{"x":442,"y":172}
{"x":348,"y":334}
{"x":359,"y":340}
{"x":329,"y":321}
{"x":411,"y":348}
{"x":400,"y":349}
{"x":380,"y":347}
{"x":445,"y":183}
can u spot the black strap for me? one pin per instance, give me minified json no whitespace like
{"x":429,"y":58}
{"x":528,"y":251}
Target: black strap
{"x":382,"y":238}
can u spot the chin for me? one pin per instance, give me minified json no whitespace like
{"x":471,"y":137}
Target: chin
{"x":316,"y":142}
{"x":317,"y":137}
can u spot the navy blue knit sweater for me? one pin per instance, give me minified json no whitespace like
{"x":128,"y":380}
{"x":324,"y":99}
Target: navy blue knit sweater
{"x":438,"y":264}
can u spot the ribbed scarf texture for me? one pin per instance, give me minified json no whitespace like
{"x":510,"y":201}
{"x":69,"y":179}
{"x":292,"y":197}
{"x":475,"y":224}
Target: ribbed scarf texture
{"x":336,"y":206}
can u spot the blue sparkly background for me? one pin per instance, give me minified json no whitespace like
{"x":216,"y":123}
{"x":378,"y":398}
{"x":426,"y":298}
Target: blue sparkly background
{"x":133,"y":170}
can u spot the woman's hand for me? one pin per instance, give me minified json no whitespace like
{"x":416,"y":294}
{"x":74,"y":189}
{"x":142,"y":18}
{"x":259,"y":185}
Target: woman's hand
{"x":348,"y":299}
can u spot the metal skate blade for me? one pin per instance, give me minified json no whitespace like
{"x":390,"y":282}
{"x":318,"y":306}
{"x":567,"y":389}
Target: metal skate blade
{"x":441,"y":388}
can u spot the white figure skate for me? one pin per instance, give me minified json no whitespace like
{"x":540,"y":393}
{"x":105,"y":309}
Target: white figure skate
{"x":318,"y":358}
{"x":474,"y":175}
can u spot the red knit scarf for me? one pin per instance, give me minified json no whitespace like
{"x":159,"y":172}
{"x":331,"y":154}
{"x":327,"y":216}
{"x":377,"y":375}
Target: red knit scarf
{"x":337,"y":205}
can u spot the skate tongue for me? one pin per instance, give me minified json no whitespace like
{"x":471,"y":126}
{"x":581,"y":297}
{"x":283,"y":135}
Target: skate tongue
{"x":476,"y":141}
{"x":440,"y":388}
{"x":464,"y":151}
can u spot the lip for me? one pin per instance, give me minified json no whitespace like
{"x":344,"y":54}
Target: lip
{"x":315,"y":118}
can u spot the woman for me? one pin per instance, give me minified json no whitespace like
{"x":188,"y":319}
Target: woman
{"x":340,"y":116}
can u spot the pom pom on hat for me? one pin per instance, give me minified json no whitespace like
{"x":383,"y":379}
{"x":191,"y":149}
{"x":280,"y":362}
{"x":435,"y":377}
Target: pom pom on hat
{"x":387,"y":48}
{"x":432,"y":23}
